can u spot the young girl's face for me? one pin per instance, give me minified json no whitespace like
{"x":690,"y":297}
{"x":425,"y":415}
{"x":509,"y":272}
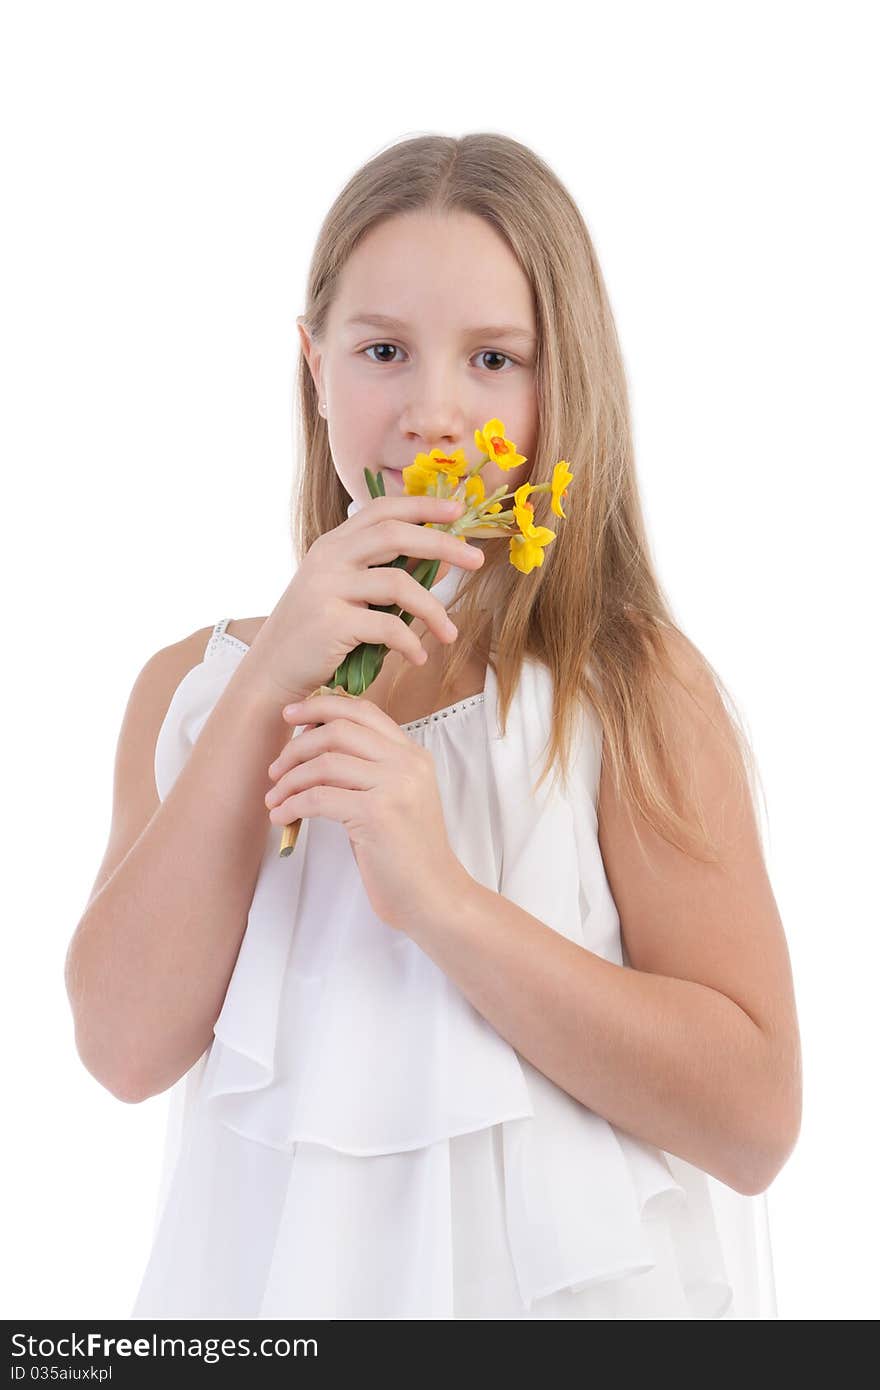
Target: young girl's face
{"x":461,"y":352}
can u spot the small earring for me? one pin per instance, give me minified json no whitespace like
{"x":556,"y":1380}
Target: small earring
{"x":323,"y":407}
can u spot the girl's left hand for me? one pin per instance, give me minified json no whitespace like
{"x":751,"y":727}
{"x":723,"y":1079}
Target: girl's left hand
{"x":360,"y":768}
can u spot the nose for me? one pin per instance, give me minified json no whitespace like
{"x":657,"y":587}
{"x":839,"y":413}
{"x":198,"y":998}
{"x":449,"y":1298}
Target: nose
{"x":434,"y":418}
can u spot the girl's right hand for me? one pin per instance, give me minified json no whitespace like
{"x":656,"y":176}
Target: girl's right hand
{"x":323,"y":614}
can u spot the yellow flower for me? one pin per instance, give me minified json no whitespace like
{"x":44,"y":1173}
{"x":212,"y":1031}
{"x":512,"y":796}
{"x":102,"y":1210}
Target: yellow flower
{"x":422,"y":474}
{"x":419,"y":481}
{"x":441,"y":474}
{"x":561,"y":480}
{"x":492,"y":440}
{"x":527,"y":549}
{"x":475,"y":491}
{"x":453,"y":465}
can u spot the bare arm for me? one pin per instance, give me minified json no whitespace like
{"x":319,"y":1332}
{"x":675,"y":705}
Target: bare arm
{"x":150,"y":961}
{"x":694,"y":1047}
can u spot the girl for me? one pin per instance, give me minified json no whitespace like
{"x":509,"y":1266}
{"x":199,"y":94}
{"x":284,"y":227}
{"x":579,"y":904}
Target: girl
{"x":483,"y":1046}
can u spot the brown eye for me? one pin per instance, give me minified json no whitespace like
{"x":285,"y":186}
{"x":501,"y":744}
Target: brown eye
{"x":490,"y":352}
{"x":393,"y":347}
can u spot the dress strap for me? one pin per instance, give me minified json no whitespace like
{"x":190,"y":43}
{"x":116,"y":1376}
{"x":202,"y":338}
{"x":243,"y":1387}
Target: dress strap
{"x":221,"y":638}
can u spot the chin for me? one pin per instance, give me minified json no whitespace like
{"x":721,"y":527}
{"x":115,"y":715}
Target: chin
{"x":392,"y":478}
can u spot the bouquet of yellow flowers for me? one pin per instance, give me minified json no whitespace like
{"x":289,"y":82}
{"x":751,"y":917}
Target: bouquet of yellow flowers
{"x":446,"y":475}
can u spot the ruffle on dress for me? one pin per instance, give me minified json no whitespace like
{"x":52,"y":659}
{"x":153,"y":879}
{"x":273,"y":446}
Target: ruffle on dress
{"x":346,"y":1066}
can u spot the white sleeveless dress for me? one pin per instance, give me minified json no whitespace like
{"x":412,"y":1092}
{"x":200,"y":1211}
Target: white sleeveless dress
{"x":358,"y":1141}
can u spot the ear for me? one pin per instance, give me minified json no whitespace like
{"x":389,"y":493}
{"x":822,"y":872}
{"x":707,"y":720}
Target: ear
{"x":312,"y":355}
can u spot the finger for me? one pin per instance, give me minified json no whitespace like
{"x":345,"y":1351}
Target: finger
{"x":323,"y":708}
{"x":381,"y":585}
{"x":329,"y":769}
{"x":385,"y":540}
{"x":331,"y":803}
{"x":413,"y":507}
{"x":282,"y":762}
{"x":346,"y":736}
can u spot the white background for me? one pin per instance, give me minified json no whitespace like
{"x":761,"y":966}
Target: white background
{"x":165,"y":169}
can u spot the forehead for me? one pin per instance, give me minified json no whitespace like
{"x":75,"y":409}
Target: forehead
{"x":450,"y":268}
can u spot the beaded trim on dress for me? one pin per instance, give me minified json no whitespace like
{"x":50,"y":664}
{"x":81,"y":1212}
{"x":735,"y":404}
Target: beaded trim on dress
{"x":219,"y":635}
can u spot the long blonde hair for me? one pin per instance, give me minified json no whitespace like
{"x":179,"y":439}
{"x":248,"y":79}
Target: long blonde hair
{"x":594,"y":613}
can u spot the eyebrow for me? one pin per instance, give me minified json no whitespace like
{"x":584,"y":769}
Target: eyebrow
{"x":488,"y":330}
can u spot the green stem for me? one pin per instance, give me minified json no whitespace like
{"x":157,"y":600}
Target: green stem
{"x":363,"y":664}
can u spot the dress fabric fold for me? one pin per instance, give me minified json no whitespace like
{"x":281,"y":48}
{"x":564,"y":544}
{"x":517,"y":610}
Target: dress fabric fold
{"x":359,"y":1142}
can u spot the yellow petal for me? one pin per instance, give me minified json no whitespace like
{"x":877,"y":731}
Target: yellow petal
{"x":525,"y":555}
{"x":561,"y":479}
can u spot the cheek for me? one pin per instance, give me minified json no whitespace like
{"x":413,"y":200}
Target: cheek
{"x":354,"y":396}
{"x":355,"y":428}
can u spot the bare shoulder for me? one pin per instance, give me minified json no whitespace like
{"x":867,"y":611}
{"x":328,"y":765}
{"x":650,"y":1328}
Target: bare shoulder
{"x":718,"y":924}
{"x":135,"y":797}
{"x":245,"y":629}
{"x":669,"y":902}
